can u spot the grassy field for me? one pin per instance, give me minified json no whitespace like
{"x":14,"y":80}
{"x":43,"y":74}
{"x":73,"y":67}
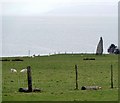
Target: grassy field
{"x":55,"y":76}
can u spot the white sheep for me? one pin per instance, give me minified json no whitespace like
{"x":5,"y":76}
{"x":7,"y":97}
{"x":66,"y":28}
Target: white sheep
{"x":13,"y":70}
{"x":23,"y":71}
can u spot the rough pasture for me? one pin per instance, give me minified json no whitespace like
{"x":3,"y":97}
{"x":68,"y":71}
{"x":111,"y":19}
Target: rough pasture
{"x":55,"y":75}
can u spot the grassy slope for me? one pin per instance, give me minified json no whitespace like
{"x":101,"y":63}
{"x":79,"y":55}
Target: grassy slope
{"x":55,"y":75}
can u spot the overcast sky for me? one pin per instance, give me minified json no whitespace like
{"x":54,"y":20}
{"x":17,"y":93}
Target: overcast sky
{"x":49,"y":26}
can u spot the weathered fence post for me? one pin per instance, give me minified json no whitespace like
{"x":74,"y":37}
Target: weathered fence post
{"x":29,"y":77}
{"x":76,"y":71}
{"x":111,"y":76}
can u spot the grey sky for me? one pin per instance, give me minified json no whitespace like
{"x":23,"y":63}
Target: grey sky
{"x":48,"y":27}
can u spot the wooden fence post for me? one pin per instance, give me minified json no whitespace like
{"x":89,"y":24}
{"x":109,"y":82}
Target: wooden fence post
{"x":111,"y":76}
{"x":76,"y":71}
{"x":29,"y":77}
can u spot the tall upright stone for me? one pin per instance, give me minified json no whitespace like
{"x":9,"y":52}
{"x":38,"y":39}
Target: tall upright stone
{"x":99,"y":50}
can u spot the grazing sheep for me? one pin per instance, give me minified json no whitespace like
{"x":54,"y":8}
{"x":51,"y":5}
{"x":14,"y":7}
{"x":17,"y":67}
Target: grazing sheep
{"x":23,"y":71}
{"x":13,"y":70}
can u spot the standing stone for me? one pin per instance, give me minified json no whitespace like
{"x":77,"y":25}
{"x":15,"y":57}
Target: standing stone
{"x":99,"y":50}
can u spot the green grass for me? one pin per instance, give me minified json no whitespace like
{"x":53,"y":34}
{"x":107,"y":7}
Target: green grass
{"x":55,"y":75}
